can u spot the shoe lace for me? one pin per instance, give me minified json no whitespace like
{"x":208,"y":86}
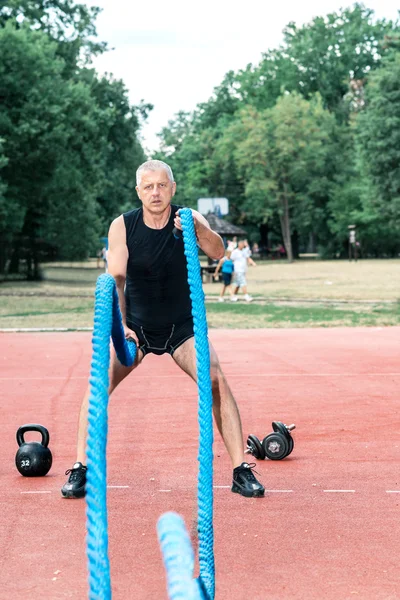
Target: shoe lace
{"x":248,"y":472}
{"x":75,"y":474}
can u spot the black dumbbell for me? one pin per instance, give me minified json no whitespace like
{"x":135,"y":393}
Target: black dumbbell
{"x":275,"y":446}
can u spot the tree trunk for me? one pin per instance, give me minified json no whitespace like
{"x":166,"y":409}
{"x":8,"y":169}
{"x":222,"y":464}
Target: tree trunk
{"x":264,"y":231}
{"x":285,"y":226}
{"x":3,"y":254}
{"x":295,"y":244}
{"x":34,"y":273}
{"x":15,"y":259}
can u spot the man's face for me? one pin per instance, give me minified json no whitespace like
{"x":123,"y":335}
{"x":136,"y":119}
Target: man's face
{"x":156,"y":190}
{"x":241,"y":245}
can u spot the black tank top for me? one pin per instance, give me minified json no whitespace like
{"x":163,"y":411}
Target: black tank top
{"x":157,"y":290}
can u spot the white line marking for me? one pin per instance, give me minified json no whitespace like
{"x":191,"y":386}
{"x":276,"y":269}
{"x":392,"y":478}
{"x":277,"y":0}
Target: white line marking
{"x":39,"y":378}
{"x":228,"y":487}
{"x":36,"y":492}
{"x":339,"y":491}
{"x":45,"y":329}
{"x":230,"y":375}
{"x":221,"y":487}
{"x":118,"y":487}
{"x":294,"y":375}
{"x":38,"y":329}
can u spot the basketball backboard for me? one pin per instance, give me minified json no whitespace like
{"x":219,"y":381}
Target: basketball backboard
{"x":218,"y":206}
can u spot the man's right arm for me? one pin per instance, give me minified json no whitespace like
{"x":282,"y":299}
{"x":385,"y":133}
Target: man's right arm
{"x":118,"y":260}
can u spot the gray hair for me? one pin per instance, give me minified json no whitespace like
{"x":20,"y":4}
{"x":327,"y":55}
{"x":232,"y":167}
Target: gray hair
{"x":153,"y":165}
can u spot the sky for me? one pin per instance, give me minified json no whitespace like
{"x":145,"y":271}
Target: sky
{"x":173,"y":54}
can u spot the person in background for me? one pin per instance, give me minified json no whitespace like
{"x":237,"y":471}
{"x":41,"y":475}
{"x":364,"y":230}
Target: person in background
{"x":226,"y":267}
{"x":232,"y":244}
{"x":241,"y":259}
{"x":255,"y":249}
{"x":104,"y":257}
{"x":246,"y":249}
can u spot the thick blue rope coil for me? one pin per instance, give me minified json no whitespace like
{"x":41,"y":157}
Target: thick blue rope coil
{"x":107,"y":324}
{"x":178,"y":558}
{"x":206,"y":582}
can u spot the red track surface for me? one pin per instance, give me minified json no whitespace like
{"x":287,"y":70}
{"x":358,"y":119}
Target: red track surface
{"x":340,"y":387}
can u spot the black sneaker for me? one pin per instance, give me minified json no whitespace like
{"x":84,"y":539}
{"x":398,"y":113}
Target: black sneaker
{"x":75,"y":486}
{"x":245,"y":483}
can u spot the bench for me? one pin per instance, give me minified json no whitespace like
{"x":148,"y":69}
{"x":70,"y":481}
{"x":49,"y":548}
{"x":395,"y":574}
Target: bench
{"x":207,"y":273}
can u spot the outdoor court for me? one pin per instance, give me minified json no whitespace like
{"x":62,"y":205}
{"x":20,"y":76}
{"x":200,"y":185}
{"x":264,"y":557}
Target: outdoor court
{"x":328,"y":527}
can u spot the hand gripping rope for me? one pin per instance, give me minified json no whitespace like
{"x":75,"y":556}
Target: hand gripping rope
{"x":174,"y":540}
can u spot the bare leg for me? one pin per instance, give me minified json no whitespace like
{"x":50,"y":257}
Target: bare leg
{"x":225,"y":409}
{"x":117,"y":373}
{"x":227,"y":288}
{"x":223,"y":291}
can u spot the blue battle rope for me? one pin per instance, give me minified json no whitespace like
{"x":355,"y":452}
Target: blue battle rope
{"x":171,"y":529}
{"x":107,"y":324}
{"x":178,"y":558}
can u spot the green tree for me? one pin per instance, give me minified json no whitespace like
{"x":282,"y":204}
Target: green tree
{"x":282,"y":155}
{"x":71,"y":138}
{"x":378,"y":139}
{"x":182,"y":149}
{"x":3,"y":201}
{"x":332,"y":51}
{"x":53,"y":146}
{"x":122,"y":152}
{"x":70,"y":24}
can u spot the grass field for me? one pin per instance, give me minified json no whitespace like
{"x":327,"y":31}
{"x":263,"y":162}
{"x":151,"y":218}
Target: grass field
{"x":302,"y":294}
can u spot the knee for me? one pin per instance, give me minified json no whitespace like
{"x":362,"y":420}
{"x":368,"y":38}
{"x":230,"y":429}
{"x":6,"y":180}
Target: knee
{"x":215,"y":373}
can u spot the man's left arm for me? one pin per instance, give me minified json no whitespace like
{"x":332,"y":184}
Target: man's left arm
{"x":209,"y":241}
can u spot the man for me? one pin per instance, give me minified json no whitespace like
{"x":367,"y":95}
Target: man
{"x":149,"y":267}
{"x":241,"y":257}
{"x":232,"y":244}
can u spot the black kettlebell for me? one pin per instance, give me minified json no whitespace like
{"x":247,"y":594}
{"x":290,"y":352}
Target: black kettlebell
{"x":33,"y":459}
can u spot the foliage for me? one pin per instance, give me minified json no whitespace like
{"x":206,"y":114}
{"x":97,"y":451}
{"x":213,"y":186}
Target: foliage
{"x":231,"y":144}
{"x":122,"y":152}
{"x":378,"y":136}
{"x":51,"y":141}
{"x":282,"y":154}
{"x":71,"y":143}
{"x":70,"y":25}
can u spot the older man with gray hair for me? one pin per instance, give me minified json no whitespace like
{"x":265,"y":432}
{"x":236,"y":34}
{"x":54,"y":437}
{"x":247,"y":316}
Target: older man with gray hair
{"x":149,"y":266}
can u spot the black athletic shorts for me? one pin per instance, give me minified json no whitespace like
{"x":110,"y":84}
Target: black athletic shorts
{"x":162,"y":340}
